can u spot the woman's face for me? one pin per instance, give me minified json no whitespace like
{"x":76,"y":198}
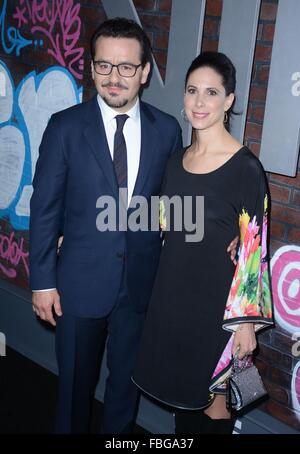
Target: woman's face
{"x":205,"y":100}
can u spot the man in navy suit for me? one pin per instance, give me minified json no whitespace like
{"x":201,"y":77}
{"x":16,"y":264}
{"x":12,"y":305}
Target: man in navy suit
{"x":99,"y":284}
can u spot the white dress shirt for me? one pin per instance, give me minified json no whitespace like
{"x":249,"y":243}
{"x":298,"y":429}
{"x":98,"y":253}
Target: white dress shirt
{"x":132,"y":135}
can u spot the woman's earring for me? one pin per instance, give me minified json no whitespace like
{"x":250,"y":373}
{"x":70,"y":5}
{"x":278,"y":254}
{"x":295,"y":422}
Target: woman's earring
{"x":225,"y":117}
{"x":184,"y":116}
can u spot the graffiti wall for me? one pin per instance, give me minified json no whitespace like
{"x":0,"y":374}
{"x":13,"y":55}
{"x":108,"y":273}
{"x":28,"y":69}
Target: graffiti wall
{"x":54,"y":25}
{"x":285,"y":268}
{"x":26,"y":106}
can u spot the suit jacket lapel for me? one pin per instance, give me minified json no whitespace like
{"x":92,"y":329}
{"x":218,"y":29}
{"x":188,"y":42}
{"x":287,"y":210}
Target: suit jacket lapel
{"x":96,"y":137}
{"x":149,"y":146}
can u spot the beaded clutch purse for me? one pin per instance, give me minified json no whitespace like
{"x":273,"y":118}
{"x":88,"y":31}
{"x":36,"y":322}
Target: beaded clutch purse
{"x":244,"y":385}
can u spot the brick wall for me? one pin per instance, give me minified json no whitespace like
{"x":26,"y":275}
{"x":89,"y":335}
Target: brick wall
{"x":275,"y":359}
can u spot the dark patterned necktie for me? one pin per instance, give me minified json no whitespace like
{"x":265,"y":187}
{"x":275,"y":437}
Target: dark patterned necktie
{"x":120,"y":152}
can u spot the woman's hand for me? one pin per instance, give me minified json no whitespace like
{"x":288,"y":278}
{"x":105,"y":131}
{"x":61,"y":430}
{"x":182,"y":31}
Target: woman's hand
{"x":232,"y":249}
{"x":244,"y":340}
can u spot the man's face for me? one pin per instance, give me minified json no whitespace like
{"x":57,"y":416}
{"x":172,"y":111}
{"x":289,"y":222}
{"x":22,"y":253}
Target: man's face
{"x":119,"y":92}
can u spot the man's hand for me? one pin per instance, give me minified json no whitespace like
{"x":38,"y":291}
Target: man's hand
{"x":232,"y":249}
{"x":43,"y":304}
{"x":244,"y":341}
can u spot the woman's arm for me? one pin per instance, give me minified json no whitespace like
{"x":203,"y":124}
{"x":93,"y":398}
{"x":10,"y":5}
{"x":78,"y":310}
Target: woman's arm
{"x":244,"y":340}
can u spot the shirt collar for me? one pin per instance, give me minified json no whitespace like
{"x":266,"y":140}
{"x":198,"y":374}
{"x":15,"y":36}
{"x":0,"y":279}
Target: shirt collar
{"x":108,"y":114}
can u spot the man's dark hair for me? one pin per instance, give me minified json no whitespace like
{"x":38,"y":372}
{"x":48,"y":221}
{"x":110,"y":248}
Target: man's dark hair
{"x":120,"y":27}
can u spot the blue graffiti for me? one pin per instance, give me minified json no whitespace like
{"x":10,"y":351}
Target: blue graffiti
{"x":21,"y":128}
{"x":13,"y":36}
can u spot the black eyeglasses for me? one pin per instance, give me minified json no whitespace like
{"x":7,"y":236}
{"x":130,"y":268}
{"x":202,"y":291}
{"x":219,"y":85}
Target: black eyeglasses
{"x":124,"y":69}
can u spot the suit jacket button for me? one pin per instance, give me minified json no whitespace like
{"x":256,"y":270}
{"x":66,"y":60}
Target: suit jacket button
{"x":120,"y":255}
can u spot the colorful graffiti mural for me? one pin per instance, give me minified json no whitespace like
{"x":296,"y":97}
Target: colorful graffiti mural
{"x":11,"y":38}
{"x":55,"y":25}
{"x":25,"y":110}
{"x":285,"y":266}
{"x":23,"y":118}
{"x":13,"y":254}
{"x":24,"y":114}
{"x":285,"y":269}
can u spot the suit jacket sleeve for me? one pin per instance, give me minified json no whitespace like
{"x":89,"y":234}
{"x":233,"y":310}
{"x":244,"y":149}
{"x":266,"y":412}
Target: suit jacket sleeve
{"x":178,"y":139}
{"x":47,"y":207}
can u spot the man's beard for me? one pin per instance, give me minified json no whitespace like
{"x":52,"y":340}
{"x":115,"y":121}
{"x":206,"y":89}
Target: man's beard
{"x":111,"y":102}
{"x":115,"y":104}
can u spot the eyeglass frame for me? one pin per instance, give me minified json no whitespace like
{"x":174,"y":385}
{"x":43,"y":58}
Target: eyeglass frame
{"x":116,"y":66}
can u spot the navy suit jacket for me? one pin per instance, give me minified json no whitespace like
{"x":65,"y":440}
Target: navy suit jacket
{"x":73,"y":170}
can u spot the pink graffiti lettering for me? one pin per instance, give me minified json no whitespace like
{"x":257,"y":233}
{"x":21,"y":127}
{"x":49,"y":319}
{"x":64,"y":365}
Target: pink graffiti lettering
{"x":285,"y":267}
{"x":13,"y":253}
{"x":46,"y":17}
{"x":19,"y":15}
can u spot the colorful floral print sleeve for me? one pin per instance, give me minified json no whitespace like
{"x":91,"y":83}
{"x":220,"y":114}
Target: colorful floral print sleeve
{"x":249,"y":299}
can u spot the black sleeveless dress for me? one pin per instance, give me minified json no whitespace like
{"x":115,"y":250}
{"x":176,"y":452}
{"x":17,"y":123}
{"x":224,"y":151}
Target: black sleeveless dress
{"x":185,"y":352}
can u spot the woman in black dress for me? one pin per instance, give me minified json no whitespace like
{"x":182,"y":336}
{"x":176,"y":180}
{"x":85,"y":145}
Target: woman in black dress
{"x":204,"y":309}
